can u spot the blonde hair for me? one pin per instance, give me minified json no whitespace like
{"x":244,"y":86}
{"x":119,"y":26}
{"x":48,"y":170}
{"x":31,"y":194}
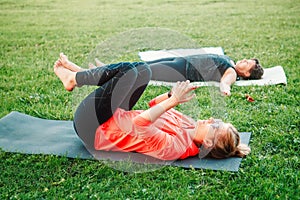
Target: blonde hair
{"x":228,"y":145}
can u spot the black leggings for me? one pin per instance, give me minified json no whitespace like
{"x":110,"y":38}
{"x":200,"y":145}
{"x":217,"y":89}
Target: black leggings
{"x":168,"y":69}
{"x":120,"y":86}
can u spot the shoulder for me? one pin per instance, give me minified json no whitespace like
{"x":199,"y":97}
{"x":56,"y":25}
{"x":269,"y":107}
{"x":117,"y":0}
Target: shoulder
{"x":230,"y":71}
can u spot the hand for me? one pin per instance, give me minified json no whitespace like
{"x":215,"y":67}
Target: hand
{"x":225,"y":89}
{"x":226,"y":93}
{"x":182,"y":91}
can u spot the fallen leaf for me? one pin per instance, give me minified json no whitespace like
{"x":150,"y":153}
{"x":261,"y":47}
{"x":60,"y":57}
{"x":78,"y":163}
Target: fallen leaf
{"x":249,"y":98}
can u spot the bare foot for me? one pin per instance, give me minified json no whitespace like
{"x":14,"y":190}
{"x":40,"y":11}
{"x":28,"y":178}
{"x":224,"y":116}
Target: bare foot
{"x":92,"y":66}
{"x":66,"y":76}
{"x":99,"y":63}
{"x":68,"y":64}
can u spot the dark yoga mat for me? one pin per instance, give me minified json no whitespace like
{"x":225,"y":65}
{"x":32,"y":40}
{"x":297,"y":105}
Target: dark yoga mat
{"x":30,"y":135}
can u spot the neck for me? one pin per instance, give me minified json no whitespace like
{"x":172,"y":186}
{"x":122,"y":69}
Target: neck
{"x":238,"y":72}
{"x":198,"y":135}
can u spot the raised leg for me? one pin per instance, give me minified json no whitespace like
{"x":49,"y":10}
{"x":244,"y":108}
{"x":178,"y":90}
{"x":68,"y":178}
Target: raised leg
{"x":121,"y":88}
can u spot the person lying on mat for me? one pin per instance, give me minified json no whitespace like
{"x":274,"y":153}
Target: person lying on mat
{"x":205,"y":67}
{"x":104,"y":120}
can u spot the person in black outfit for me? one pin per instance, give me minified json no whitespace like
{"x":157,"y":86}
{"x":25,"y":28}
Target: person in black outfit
{"x":206,"y":67}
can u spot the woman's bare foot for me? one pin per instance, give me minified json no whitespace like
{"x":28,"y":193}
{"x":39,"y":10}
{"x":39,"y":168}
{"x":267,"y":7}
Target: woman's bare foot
{"x":68,"y":64}
{"x":66,"y":76}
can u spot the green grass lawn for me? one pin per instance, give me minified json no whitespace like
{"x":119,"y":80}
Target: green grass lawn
{"x":33,"y":33}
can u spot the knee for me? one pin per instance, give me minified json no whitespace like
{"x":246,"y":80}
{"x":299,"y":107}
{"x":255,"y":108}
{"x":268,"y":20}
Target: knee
{"x":144,"y":70}
{"x":147,"y":71}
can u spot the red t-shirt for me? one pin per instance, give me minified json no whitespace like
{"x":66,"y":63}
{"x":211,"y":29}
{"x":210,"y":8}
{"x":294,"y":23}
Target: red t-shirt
{"x":167,"y":138}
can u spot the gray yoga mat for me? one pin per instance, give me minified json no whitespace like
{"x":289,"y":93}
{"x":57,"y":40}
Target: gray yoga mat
{"x":31,"y":135}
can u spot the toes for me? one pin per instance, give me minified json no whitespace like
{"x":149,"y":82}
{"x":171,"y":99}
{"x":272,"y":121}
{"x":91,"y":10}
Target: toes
{"x":98,"y":63}
{"x":91,"y":66}
{"x":63,"y":56}
{"x":57,"y":63}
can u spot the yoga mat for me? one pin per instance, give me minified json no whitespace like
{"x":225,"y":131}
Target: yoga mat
{"x":171,"y":53}
{"x":31,"y":135}
{"x":272,"y":76}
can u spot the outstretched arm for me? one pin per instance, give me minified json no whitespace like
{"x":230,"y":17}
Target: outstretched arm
{"x":228,"y":78}
{"x":181,"y":93}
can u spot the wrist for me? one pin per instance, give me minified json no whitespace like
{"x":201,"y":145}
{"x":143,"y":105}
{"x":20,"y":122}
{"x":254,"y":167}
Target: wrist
{"x":169,"y":103}
{"x":173,"y":101}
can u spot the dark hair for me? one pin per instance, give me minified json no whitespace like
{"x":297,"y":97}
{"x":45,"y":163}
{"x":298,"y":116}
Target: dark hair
{"x":257,"y":71}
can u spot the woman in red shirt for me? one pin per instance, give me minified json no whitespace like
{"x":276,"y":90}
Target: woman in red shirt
{"x":105,"y":120}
